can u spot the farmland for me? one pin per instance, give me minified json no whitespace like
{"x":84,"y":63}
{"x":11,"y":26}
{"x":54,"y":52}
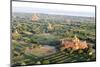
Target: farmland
{"x":36,"y":38}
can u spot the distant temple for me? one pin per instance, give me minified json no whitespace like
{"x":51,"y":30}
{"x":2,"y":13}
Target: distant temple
{"x":35,"y":17}
{"x":75,"y":43}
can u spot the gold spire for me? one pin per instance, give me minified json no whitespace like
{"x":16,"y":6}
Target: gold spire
{"x":75,"y":39}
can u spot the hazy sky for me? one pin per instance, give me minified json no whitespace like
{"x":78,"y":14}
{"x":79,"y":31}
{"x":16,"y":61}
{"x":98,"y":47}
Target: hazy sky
{"x":73,"y":10}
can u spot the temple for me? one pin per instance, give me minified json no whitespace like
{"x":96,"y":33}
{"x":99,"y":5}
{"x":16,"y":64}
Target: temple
{"x":35,"y":17}
{"x":75,"y":43}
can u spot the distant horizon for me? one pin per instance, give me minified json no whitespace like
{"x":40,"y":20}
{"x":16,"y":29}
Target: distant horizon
{"x":54,"y":9}
{"x":55,"y":14}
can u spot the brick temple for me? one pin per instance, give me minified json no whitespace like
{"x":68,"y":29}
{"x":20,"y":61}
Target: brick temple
{"x":75,"y":43}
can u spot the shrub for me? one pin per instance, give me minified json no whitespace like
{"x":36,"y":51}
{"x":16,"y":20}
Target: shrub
{"x":45,"y":62}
